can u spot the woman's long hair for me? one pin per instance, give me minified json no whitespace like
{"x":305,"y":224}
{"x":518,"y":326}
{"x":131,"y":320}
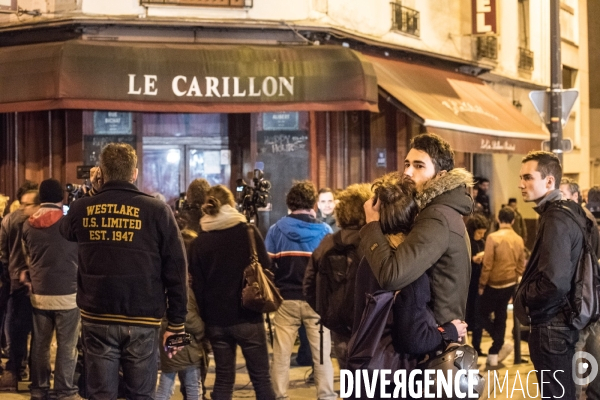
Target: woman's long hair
{"x":217,"y":197}
{"x":397,"y":207}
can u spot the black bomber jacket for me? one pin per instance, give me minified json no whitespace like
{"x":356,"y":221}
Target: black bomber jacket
{"x":132,"y":260}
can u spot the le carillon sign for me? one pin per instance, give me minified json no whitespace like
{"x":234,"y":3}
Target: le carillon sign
{"x":184,"y":78}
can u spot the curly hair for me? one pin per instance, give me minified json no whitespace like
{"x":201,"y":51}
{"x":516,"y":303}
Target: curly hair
{"x":398,"y":209}
{"x":197,"y":191}
{"x":302,"y":196}
{"x":475,"y":222}
{"x":217,"y":197}
{"x":349,"y":212}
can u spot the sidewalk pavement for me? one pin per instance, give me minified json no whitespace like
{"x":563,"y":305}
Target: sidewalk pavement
{"x":516,"y":386}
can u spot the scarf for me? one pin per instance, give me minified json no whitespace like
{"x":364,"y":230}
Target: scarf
{"x":227,"y":217}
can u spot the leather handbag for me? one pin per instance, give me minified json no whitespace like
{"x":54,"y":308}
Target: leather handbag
{"x":259,"y":293}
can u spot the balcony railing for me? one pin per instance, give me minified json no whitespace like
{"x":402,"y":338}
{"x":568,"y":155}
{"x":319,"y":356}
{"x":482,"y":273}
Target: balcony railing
{"x":203,"y":3}
{"x":487,"y":47}
{"x":405,"y":19}
{"x":525,"y":59}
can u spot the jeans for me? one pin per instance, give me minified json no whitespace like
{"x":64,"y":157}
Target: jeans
{"x":552,"y":347}
{"x":106,"y":347}
{"x":589,"y":340}
{"x":188,"y":378}
{"x":19,"y":324}
{"x":66,"y":324}
{"x":494,"y":301}
{"x":253,"y":341}
{"x":287,"y":321}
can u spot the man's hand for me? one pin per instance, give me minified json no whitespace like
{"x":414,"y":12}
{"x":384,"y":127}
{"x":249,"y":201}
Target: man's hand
{"x":24,"y":279}
{"x":371,"y":211}
{"x":96,"y":178}
{"x":173,"y":350}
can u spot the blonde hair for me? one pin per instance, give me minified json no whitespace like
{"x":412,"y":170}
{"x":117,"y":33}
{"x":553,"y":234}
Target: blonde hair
{"x":349,"y":212}
{"x":218,"y":196}
{"x":3,"y":202}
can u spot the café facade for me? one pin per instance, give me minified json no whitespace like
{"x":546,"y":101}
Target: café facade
{"x":332,"y":113}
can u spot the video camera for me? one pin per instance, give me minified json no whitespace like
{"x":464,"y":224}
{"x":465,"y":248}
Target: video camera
{"x":251,"y":198}
{"x":76,"y":191}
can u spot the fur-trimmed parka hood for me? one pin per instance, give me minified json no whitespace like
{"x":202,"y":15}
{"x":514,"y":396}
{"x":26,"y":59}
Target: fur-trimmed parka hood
{"x":450,"y":189}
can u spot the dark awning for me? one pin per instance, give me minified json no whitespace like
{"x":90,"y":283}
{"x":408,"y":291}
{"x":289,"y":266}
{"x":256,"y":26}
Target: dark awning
{"x":462,"y":109}
{"x":128,"y":76}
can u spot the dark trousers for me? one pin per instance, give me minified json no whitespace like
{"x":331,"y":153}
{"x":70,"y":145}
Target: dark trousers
{"x":494,"y":301}
{"x":552,"y":347}
{"x":106,"y":347}
{"x":253,"y":341}
{"x":19,"y":321}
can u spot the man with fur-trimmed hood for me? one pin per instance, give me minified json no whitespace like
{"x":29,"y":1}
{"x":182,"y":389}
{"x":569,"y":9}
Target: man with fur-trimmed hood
{"x":438,"y":242}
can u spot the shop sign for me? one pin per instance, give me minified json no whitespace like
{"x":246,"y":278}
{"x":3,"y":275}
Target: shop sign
{"x":112,"y":123}
{"x":280,"y":121}
{"x":497,"y":145}
{"x":484,"y":16}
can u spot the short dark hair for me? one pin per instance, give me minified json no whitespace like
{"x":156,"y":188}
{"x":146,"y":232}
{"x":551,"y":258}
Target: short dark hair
{"x":475,"y":222}
{"x":437,"y":148}
{"x":398,"y":208}
{"x":326,"y":190}
{"x":26,"y":187}
{"x":512,"y":200}
{"x":573,"y":187}
{"x":594,"y":195}
{"x":302,"y":196}
{"x":349,"y":212}
{"x":118,"y":162}
{"x":506,"y":215}
{"x":548,"y":164}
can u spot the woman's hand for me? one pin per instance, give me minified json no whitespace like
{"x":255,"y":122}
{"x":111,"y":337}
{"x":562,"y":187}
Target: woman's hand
{"x":461,"y":328}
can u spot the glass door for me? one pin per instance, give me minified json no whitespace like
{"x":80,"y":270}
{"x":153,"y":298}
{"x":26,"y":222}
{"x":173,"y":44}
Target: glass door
{"x":162,"y":171}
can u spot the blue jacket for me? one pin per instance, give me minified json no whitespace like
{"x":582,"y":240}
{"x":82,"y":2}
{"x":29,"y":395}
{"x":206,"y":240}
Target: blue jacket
{"x":290,"y":243}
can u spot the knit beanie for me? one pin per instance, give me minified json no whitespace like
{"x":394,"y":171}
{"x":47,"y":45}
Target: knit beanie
{"x":51,"y":191}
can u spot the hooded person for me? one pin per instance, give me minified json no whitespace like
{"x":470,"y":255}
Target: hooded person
{"x":52,"y":276}
{"x":438,"y":242}
{"x":290,"y":243}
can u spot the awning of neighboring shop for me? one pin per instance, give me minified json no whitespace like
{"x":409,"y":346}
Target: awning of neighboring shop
{"x":131,"y":76}
{"x":462,"y":109}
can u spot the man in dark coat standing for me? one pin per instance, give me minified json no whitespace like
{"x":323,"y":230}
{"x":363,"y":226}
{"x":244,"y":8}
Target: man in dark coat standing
{"x":541,"y":298}
{"x":132,"y":268}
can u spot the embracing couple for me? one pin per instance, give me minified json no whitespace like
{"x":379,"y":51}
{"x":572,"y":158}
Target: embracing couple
{"x":415,"y":240}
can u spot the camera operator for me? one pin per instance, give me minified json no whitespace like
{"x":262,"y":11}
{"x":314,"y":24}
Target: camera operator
{"x":132,"y":267}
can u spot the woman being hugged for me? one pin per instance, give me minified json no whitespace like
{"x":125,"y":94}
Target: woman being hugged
{"x":217,"y":261}
{"x":416,"y":333}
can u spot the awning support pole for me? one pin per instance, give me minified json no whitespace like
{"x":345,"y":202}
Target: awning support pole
{"x":555,"y":125}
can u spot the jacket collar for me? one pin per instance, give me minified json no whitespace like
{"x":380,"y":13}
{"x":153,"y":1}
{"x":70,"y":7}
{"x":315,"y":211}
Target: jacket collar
{"x":121,"y":185}
{"x":553,"y":195}
{"x":442,"y":184}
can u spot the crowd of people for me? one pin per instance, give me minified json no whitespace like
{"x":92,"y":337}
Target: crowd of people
{"x":121,"y":275}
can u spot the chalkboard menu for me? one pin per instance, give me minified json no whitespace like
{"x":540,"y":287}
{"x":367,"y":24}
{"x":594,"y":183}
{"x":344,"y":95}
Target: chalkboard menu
{"x":112,"y":123}
{"x":93,"y":144}
{"x":280,"y":121}
{"x":285,"y":156}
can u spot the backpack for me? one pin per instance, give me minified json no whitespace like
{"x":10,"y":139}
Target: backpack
{"x":335,"y":286}
{"x":584,"y":297}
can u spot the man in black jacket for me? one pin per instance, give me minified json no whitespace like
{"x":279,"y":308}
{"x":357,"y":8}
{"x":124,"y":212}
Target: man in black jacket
{"x":132,"y":267}
{"x":438,"y":242}
{"x":541,"y":299}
